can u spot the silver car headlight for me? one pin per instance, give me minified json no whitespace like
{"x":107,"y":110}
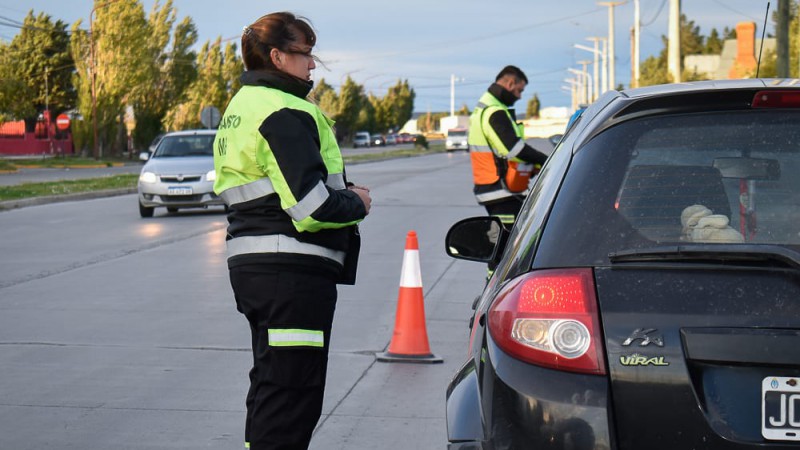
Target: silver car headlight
{"x":211,"y":175}
{"x":148,"y":177}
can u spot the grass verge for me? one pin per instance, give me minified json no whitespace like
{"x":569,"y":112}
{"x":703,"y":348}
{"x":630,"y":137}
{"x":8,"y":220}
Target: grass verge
{"x":29,"y":190}
{"x":32,"y":190}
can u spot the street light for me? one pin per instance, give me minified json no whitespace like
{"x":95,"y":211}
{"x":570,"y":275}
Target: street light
{"x":595,"y":67}
{"x":453,"y":80}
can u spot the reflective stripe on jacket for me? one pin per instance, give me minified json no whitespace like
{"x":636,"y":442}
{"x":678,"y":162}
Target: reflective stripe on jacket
{"x":281,"y":172}
{"x":490,"y":157}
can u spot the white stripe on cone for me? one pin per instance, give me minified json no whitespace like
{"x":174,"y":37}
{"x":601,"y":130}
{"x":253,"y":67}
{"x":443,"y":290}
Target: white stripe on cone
{"x":411,"y":274}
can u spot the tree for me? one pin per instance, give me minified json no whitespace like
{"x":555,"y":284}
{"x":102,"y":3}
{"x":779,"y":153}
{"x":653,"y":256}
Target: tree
{"x":215,"y":85}
{"x":713,"y":43}
{"x":533,"y":107}
{"x":171,"y":70}
{"x":35,"y":70}
{"x":350,"y":102}
{"x":654,"y":69}
{"x":464,"y":111}
{"x":113,"y":62}
{"x":399,"y":102}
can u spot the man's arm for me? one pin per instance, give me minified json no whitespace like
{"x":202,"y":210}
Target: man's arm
{"x":517,"y":147}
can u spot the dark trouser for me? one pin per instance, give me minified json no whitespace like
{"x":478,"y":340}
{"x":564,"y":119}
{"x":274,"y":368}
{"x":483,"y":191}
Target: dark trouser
{"x":507,"y":211}
{"x":290,"y":317}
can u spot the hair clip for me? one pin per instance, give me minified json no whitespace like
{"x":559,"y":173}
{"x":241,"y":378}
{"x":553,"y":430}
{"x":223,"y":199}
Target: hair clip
{"x":247,"y":30}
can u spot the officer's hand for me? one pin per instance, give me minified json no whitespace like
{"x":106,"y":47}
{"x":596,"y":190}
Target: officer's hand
{"x":363,"y":194}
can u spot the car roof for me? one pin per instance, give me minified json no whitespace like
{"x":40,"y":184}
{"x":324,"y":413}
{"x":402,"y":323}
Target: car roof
{"x":192,"y":132}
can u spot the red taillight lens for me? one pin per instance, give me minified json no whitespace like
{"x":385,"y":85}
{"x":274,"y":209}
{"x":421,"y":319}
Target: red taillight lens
{"x":776,"y":99}
{"x":550,"y":318}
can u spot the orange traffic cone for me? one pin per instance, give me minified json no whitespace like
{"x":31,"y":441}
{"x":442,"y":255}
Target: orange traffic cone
{"x":410,"y":338}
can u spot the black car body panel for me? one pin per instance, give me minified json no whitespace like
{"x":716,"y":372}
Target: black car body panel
{"x":683,"y":203}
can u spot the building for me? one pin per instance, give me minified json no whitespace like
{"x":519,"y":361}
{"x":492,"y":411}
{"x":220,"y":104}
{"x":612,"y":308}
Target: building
{"x":739,"y":57}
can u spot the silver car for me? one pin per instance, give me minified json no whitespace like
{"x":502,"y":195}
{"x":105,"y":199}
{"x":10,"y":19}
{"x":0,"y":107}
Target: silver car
{"x":179,"y":174}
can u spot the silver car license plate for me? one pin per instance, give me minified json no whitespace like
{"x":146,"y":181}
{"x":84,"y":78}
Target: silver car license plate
{"x":780,"y":408}
{"x":179,"y":191}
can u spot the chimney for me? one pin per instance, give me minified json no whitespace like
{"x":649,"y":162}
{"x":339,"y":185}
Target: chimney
{"x":745,"y":62}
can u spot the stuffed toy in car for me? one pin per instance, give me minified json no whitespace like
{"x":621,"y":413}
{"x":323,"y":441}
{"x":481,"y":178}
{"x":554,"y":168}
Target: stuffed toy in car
{"x":700,"y":224}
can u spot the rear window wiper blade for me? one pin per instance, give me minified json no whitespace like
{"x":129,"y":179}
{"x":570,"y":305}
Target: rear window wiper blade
{"x":753,"y":253}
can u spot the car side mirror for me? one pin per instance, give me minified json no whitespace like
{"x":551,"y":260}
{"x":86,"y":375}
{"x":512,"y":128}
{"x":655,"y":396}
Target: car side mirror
{"x":748,"y":168}
{"x":144,"y":156}
{"x":479,"y":239}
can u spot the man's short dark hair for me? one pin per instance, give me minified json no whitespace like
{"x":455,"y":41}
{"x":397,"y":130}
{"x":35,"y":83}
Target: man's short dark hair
{"x":513,"y":71}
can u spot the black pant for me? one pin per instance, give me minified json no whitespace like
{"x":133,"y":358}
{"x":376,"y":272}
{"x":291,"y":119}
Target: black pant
{"x":287,"y":380}
{"x":505,"y":208}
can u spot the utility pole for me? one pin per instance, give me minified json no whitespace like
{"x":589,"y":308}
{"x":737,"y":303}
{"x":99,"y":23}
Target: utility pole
{"x":782,"y":37}
{"x":590,"y":94}
{"x":674,"y":46}
{"x":637,"y":37}
{"x":611,"y":58}
{"x":47,"y":107}
{"x":452,"y":95}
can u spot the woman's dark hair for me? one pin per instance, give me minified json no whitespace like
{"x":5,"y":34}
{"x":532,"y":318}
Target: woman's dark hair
{"x":281,"y":30}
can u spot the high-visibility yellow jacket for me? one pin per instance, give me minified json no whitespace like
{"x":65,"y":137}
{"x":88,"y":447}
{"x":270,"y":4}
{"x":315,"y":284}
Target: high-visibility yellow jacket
{"x":498,"y":172}
{"x":280,"y":171}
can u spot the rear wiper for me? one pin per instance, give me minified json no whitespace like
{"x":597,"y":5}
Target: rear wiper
{"x":762,"y":253}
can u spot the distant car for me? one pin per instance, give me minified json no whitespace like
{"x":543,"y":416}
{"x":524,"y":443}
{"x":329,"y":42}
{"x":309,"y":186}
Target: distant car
{"x":361,"y":139}
{"x":377,"y":140}
{"x":391,"y":139}
{"x":456,"y":139}
{"x":648,"y":295}
{"x":180,"y":174}
{"x":405,"y":138}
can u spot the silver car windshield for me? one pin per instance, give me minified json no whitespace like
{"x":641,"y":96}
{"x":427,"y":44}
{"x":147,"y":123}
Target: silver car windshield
{"x":182,"y":146}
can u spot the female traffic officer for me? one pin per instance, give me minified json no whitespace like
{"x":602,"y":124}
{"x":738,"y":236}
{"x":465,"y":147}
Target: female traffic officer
{"x":292,"y":227}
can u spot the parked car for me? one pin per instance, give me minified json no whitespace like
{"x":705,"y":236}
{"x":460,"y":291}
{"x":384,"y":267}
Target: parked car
{"x":180,"y":173}
{"x":391,"y":139}
{"x":405,"y":138}
{"x":361,"y":139}
{"x":648,"y":295}
{"x":377,"y":140}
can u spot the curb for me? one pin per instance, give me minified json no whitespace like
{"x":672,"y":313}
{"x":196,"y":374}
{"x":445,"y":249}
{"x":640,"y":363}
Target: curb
{"x":23,"y":202}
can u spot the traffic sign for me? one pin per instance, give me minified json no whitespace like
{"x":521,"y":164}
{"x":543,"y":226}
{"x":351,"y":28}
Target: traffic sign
{"x":210,"y":117}
{"x":62,"y":122}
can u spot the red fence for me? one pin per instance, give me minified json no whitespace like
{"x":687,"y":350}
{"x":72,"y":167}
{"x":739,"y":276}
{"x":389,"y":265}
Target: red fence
{"x":45,"y":140}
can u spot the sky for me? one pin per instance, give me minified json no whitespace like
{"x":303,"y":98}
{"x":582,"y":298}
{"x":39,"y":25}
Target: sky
{"x":439,"y":44}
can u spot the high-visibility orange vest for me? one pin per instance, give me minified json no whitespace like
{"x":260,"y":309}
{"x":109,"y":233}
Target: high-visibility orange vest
{"x":489,"y":155}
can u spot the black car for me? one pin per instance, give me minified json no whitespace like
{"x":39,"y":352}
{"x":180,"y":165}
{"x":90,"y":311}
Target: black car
{"x":648,"y":296}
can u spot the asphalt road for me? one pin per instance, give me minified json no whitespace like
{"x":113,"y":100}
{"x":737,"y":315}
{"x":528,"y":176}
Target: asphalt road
{"x":121,"y":332}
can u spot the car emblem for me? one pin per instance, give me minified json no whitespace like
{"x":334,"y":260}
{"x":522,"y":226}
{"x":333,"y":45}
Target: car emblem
{"x":180,"y":177}
{"x":644,"y":336}
{"x":641,"y":360}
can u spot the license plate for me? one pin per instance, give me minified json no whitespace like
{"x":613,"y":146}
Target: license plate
{"x":780,"y":408}
{"x":179,"y":191}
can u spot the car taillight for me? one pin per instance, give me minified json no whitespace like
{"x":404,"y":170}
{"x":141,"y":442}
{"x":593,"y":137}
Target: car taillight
{"x":550,"y":318}
{"x":776,"y":99}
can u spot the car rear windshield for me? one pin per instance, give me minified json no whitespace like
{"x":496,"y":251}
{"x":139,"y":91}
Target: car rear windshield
{"x":190,"y":145}
{"x":712,"y":178}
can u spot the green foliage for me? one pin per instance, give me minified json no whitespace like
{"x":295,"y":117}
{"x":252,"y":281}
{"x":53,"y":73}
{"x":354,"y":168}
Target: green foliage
{"x":217,"y":81}
{"x":35,"y":69}
{"x":464,"y":111}
{"x":171,"y":71}
{"x":654,"y":69}
{"x":395,"y":108}
{"x":534,"y":104}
